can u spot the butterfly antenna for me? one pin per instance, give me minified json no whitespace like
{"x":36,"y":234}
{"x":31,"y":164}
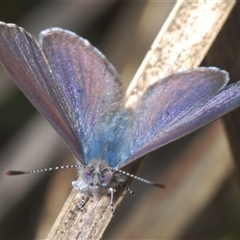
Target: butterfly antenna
{"x":129,"y":190}
{"x":159,"y":185}
{"x":43,"y":169}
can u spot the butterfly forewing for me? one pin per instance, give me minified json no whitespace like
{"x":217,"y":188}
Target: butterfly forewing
{"x":72,"y":104}
{"x":86,"y":88}
{"x":23,"y":59}
{"x":223,"y":102}
{"x":177,"y":105}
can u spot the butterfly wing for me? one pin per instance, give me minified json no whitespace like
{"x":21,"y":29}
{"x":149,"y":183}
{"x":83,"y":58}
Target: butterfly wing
{"x":89,"y":94}
{"x":65,"y":78}
{"x":178,"y":105}
{"x":24,"y":61}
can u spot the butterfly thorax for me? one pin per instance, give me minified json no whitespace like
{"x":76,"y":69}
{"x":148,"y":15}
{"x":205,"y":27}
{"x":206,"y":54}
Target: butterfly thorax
{"x":97,"y":178}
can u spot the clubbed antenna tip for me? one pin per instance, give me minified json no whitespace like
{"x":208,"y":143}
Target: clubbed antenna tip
{"x":15,"y":172}
{"x":159,"y":185}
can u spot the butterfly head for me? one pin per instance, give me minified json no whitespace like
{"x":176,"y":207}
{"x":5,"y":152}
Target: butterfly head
{"x":98,"y":177}
{"x":97,"y":174}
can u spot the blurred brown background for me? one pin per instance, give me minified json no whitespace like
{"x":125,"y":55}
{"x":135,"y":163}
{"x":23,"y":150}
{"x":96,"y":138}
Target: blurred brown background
{"x":123,"y":31}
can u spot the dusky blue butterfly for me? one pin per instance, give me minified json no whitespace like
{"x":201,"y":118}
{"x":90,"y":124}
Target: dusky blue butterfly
{"x":80,"y":93}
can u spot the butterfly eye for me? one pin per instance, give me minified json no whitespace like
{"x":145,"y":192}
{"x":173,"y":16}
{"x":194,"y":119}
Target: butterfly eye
{"x":105,"y":178}
{"x":87,"y":175}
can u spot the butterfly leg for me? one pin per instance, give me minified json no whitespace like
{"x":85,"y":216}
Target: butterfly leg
{"x":81,"y":186}
{"x":112,"y":191}
{"x":83,"y":201}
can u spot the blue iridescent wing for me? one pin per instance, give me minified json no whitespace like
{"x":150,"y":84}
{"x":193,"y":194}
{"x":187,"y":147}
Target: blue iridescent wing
{"x":88,"y":89}
{"x":79,"y":92}
{"x":178,"y":105}
{"x":24,"y":61}
{"x":65,"y":78}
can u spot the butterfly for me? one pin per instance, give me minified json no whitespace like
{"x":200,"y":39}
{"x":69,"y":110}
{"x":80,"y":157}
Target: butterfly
{"x":80,"y":93}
